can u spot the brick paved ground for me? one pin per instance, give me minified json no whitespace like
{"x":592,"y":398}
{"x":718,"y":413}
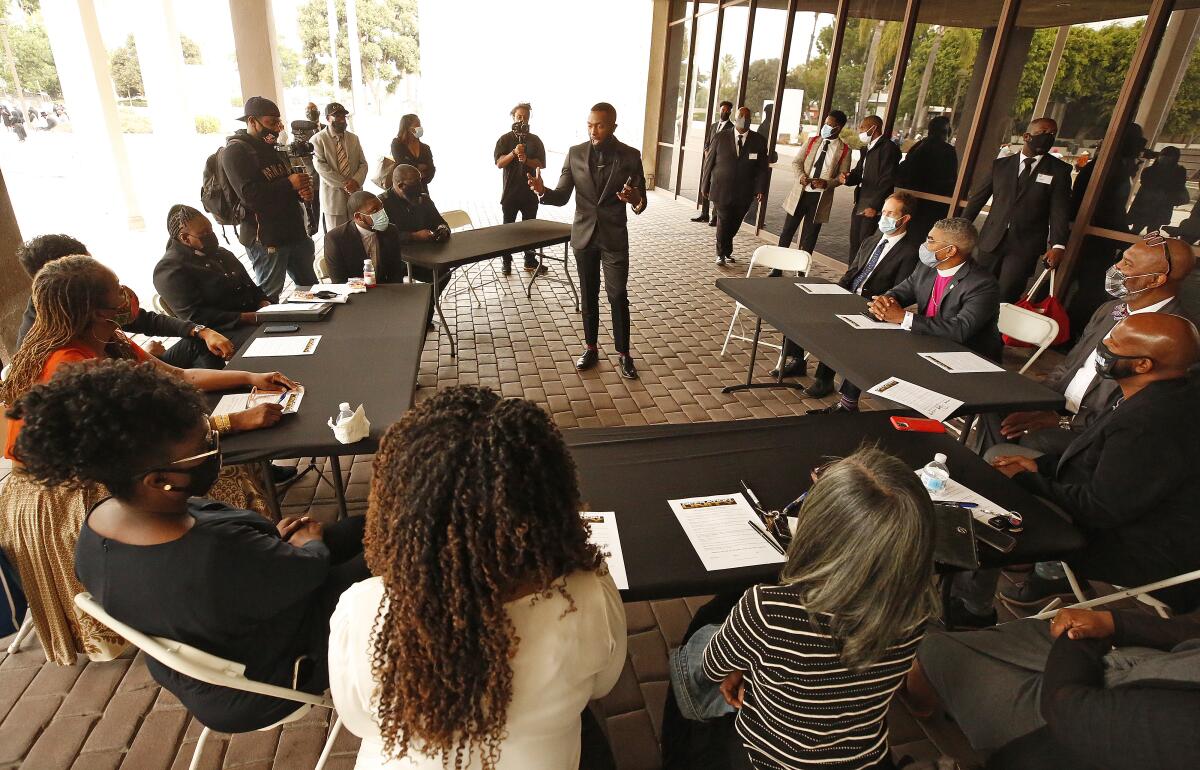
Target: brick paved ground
{"x":96,"y":716}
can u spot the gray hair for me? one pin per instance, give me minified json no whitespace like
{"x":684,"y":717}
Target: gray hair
{"x":359,"y":199}
{"x":959,"y":232}
{"x":401,"y":169}
{"x":863,"y":554}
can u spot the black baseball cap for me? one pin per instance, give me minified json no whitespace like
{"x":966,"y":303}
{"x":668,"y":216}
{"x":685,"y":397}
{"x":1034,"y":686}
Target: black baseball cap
{"x":259,"y":107}
{"x":333,"y":108}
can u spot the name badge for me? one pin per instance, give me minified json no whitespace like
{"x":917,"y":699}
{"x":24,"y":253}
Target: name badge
{"x":753,"y":156}
{"x":1044,"y":179}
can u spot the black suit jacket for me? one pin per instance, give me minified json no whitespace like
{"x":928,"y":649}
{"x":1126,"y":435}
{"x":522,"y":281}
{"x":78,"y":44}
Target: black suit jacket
{"x":345,"y":254}
{"x":898,"y":264}
{"x":728,"y":179}
{"x":967,"y":313}
{"x":875,"y":175}
{"x":1130,"y":483}
{"x":1034,"y":217}
{"x":715,"y":130}
{"x":599,"y":216}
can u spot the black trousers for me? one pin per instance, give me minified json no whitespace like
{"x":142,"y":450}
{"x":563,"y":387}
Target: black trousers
{"x":1012,"y":269}
{"x":861,"y":228}
{"x":528,"y":210}
{"x":806,"y":213}
{"x":192,"y":353}
{"x":589,"y":262}
{"x":704,"y":208}
{"x":729,"y":221}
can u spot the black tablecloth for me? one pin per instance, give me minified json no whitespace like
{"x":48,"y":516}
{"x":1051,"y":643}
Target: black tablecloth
{"x":369,"y":353}
{"x":469,"y":246}
{"x":866,"y":357}
{"x":635,"y":471}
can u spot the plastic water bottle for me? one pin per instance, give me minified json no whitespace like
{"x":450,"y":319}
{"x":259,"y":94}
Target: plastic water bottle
{"x":935,"y":474}
{"x":368,"y":273}
{"x":344,"y":413}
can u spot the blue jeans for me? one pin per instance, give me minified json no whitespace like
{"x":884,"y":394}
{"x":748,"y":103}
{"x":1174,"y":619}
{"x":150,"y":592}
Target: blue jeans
{"x":270,"y":263}
{"x":698,"y":697}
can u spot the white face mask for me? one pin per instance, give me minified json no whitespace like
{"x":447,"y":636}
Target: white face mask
{"x":864,"y":137}
{"x":418,"y":132}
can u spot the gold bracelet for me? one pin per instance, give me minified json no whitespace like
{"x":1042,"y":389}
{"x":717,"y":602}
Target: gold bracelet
{"x":221,"y":423}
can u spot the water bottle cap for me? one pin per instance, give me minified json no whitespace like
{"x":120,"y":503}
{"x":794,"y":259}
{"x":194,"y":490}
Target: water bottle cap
{"x":939,"y":458}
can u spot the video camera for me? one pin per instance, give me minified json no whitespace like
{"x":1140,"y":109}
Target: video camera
{"x":300,"y":147}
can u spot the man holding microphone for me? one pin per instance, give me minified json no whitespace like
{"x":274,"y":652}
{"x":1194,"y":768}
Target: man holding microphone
{"x":518,"y":154}
{"x":606,"y":175}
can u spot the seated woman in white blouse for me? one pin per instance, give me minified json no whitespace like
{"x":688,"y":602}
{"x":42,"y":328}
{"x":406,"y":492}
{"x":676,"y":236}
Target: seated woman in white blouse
{"x":491,"y":621}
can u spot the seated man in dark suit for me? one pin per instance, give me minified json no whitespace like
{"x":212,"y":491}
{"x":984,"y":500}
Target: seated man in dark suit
{"x":1146,"y":280}
{"x":368,"y":235}
{"x":1129,"y":482}
{"x":883,"y":260}
{"x":411,"y":211}
{"x":955,"y":298}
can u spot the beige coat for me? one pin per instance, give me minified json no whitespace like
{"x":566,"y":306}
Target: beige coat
{"x":802,"y":165}
{"x":333,"y":195}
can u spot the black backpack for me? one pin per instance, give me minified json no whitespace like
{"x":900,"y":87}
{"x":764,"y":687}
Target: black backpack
{"x":217,"y":194}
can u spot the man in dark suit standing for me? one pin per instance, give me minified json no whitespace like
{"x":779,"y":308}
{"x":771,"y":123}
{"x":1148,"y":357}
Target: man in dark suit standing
{"x":735,"y":174}
{"x":1031,"y":210}
{"x":723,"y":123}
{"x":955,"y":299}
{"x":875,"y":177}
{"x":884,"y":260}
{"x":368,"y":235}
{"x":605,"y":175}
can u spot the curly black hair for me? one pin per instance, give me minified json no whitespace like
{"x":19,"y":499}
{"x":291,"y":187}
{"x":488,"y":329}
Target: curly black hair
{"x":34,"y":253}
{"x":473,"y":496}
{"x":102,"y":421}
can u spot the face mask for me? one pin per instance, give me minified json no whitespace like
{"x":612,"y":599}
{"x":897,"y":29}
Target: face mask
{"x":202,"y":477}
{"x":209,"y":243}
{"x":268,"y":136}
{"x":828,"y":131}
{"x":724,"y":116}
{"x":888,"y":225}
{"x":1110,"y":366}
{"x":129,"y":309}
{"x":864,"y":137}
{"x":339,"y":127}
{"x":418,"y":132}
{"x":1040,"y":144}
{"x":312,"y":115}
{"x":742,"y":124}
{"x":379,"y":221}
{"x":411,"y":193}
{"x":1114,"y":283}
{"x":929,"y":257}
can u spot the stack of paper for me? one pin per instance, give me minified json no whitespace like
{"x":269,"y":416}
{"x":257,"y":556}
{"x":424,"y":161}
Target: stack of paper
{"x":303,"y":345}
{"x":238,"y":402}
{"x":289,"y":307}
{"x":955,"y":492}
{"x":964,"y":362}
{"x":859,"y":321}
{"x":822,"y":288}
{"x":934,"y":405}
{"x":310,"y":297}
{"x":608,"y":540}
{"x":723,"y":532}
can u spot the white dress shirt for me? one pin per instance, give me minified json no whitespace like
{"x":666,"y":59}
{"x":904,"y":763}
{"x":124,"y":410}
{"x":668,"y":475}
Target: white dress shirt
{"x":370,"y":241}
{"x":564,"y":658}
{"x":1081,"y":383}
{"x":907,"y":323}
{"x":1032,"y":162}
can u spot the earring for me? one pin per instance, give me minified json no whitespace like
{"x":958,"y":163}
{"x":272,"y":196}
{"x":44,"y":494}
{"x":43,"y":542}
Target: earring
{"x":167,"y":487}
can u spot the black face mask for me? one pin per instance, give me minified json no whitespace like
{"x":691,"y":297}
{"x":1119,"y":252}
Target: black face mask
{"x":209,"y":243}
{"x":1112,"y":366}
{"x":1040,"y":144}
{"x":202,"y":477}
{"x":312,"y":115}
{"x":412,"y":194}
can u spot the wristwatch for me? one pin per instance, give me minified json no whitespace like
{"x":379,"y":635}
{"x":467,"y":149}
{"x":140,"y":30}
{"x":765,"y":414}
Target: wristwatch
{"x":198,"y":329}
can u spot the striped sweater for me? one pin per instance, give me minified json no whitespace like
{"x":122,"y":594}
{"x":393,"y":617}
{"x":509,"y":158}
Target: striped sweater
{"x":802,"y":707}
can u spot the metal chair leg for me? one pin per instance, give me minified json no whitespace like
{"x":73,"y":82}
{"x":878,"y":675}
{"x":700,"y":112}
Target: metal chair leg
{"x":22,"y":633}
{"x":199,"y":749}
{"x":325,"y":752}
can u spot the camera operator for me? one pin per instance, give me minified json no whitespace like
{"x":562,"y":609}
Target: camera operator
{"x":300,"y":153}
{"x":519,"y":154}
{"x":272,"y":191}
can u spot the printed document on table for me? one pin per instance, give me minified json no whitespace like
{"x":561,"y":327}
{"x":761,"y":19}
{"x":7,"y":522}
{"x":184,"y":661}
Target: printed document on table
{"x":313,"y":300}
{"x":964,"y":362}
{"x":302,"y":345}
{"x":608,"y":540}
{"x":859,"y":321}
{"x":955,"y":492}
{"x":934,"y":405}
{"x":720,"y":530}
{"x":289,"y":307}
{"x":341,"y":288}
{"x":237,"y":402}
{"x":822,"y":288}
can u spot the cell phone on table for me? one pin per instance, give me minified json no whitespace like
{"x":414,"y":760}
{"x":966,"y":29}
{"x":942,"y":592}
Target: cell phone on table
{"x":280,"y":329}
{"x":917,"y":425}
{"x":1001,"y":541}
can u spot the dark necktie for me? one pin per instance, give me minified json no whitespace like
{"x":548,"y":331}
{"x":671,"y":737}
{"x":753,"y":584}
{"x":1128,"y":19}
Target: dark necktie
{"x":871,"y":263}
{"x":598,"y":169}
{"x":741,"y":139}
{"x":1026,"y":170}
{"x":819,"y":164}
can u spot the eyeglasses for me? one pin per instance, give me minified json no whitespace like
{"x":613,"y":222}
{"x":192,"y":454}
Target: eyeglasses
{"x":1159,"y":238}
{"x":212,"y":440}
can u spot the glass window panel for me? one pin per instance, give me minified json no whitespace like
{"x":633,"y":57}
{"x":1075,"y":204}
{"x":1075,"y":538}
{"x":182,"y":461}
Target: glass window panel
{"x":702,"y":76}
{"x":674,"y":83}
{"x":733,"y":46}
{"x":680,"y":9}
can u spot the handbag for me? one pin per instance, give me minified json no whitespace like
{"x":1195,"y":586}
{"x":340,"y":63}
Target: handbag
{"x":383,"y":172}
{"x":1050,"y":306}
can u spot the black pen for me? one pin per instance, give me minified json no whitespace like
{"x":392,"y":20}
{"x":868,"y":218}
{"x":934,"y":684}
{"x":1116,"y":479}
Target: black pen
{"x":770,"y":540}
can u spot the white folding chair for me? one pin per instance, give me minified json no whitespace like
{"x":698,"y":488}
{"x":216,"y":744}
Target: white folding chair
{"x":323,"y":269}
{"x":161,"y":306}
{"x":213,"y":670}
{"x":458,"y":219}
{"x":772,"y":258}
{"x":1027,"y":326}
{"x":1141,"y":593}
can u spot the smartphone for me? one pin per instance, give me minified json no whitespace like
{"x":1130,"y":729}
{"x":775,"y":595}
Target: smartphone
{"x":280,"y":329}
{"x":1001,"y":541}
{"x":918,"y":425}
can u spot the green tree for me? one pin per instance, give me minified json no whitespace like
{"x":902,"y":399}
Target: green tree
{"x":727,"y":83}
{"x":1185,"y":110}
{"x":191,"y":51}
{"x":126,"y":73}
{"x":388,"y":42}
{"x":291,"y":66}
{"x":760,"y":85}
{"x":34,"y":60}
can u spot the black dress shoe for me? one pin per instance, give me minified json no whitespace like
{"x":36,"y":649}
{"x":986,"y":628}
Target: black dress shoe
{"x":536,"y":268}
{"x":792,"y":367}
{"x":958,"y":616}
{"x":712,"y":223}
{"x":731,"y":258}
{"x":587,"y":360}
{"x":282,"y":474}
{"x":837,"y":408}
{"x":819,"y":389}
{"x":506,"y":269}
{"x":1035,"y":591}
{"x":625,"y":367}
{"x":720,"y":260}
{"x":700,"y":218}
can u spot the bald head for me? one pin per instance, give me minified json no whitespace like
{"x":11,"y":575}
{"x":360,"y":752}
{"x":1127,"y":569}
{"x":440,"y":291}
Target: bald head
{"x":1170,"y":342}
{"x":1152,"y":271}
{"x":406,"y":180}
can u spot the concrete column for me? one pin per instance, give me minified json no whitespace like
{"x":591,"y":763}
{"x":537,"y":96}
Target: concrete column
{"x":83,"y":70}
{"x":356,"y":75}
{"x":14,"y":289}
{"x":1174,"y":55}
{"x":655,"y":96}
{"x":256,"y":50}
{"x":998,"y":129}
{"x":1056,"y":54}
{"x":160,"y":55}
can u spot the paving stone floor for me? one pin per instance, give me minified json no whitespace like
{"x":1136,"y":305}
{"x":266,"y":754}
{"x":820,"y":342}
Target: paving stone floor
{"x":101,"y":716}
